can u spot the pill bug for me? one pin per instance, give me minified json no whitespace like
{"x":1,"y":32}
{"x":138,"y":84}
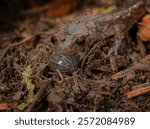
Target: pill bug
{"x":64,"y":63}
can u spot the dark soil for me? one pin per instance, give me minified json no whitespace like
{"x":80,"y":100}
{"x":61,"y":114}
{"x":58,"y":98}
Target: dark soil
{"x":96,"y":86}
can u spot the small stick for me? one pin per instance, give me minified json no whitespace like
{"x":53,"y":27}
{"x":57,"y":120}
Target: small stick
{"x":122,"y":73}
{"x":141,"y":85}
{"x":60,"y":75}
{"x":92,"y":49}
{"x":113,"y":64}
{"x":141,"y":47}
{"x":138,"y":92}
{"x":38,"y":95}
{"x":3,"y":53}
{"x":144,"y":64}
{"x":35,"y":10}
{"x":27,"y":38}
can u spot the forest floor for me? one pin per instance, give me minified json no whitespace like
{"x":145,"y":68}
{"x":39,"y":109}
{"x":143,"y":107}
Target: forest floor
{"x":27,"y":83}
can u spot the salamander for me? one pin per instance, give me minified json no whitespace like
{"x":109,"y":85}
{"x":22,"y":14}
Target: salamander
{"x":71,"y":39}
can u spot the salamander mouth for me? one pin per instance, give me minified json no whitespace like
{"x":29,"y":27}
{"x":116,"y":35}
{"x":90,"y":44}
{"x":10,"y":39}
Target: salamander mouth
{"x":64,"y":63}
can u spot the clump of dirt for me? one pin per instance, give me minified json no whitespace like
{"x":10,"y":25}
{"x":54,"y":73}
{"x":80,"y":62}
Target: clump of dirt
{"x":101,"y":83}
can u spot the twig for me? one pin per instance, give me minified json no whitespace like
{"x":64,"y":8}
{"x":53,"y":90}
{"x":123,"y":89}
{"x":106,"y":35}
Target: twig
{"x":113,"y":64}
{"x":141,"y":47}
{"x":76,"y":85}
{"x":3,"y":53}
{"x":38,"y":95}
{"x":27,"y":38}
{"x":138,"y":92}
{"x":92,"y":49}
{"x":122,"y":73}
{"x":35,"y":10}
{"x":60,"y":75}
{"x":144,"y":64}
{"x":140,"y":86}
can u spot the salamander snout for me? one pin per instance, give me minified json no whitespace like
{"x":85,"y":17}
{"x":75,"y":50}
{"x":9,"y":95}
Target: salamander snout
{"x":64,"y":63}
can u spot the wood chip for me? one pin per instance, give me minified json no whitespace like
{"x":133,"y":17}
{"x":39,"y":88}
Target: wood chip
{"x":138,"y":92}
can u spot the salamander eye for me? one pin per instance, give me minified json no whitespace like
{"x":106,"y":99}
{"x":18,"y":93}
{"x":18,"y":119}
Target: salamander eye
{"x":54,"y":40}
{"x":63,"y":62}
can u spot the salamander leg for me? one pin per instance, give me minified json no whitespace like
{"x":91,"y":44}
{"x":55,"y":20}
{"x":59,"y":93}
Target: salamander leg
{"x":118,"y":36}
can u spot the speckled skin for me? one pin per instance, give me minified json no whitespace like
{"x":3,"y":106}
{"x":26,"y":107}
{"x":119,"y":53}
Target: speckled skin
{"x":76,"y":35}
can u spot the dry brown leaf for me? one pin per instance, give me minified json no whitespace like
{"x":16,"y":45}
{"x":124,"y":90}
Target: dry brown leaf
{"x":61,"y":7}
{"x":144,"y":28}
{"x":3,"y":106}
{"x":56,"y":8}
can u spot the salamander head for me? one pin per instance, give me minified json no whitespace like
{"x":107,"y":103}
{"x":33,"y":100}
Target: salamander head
{"x":68,"y":47}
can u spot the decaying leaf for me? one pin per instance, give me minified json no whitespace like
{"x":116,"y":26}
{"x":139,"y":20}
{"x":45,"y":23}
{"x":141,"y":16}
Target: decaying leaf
{"x":144,"y":28}
{"x":3,"y":106}
{"x":61,"y":7}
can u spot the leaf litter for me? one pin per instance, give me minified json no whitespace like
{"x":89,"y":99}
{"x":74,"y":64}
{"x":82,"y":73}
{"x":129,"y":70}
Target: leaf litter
{"x":118,"y":83}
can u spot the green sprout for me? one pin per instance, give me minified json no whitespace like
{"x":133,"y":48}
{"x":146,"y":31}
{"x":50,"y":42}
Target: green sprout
{"x":26,"y":75}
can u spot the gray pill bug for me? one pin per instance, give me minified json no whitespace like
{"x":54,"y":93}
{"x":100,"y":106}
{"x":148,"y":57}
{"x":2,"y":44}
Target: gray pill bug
{"x":64,"y":63}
